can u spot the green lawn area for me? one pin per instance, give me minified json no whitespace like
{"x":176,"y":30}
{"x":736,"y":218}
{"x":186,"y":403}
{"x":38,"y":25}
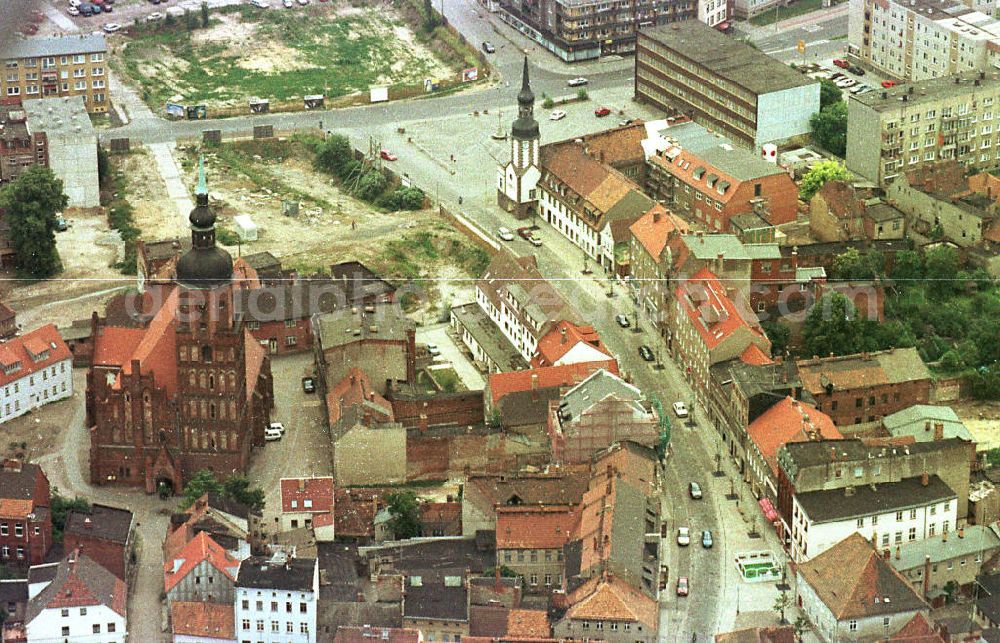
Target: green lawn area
{"x":278,"y":55}
{"x":796,"y":8}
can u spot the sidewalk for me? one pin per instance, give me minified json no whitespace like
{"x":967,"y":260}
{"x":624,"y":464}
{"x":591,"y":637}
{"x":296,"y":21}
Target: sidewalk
{"x":788,"y":24}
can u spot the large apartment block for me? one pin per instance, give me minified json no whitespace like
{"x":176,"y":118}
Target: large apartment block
{"x":900,"y":129}
{"x":587,"y":29}
{"x":723,"y":84}
{"x":68,"y":66}
{"x":921,"y":39}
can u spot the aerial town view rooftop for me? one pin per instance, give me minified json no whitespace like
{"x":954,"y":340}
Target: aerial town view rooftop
{"x":497,"y":321}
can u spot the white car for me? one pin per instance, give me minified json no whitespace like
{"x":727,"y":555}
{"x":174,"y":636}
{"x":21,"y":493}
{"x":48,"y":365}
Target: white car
{"x":287,"y":4}
{"x":75,"y":3}
{"x":260,"y":4}
{"x":433,"y":350}
{"x":857,"y":89}
{"x":153,"y":17}
{"x":577,"y":82}
{"x":271,"y":435}
{"x":680,"y":409}
{"x":846,"y":82}
{"x":277,"y":426}
{"x":303,"y":2}
{"x":112,"y":27}
{"x":557,"y":115}
{"x":505,"y":234}
{"x":683,"y":536}
{"x":73,"y":11}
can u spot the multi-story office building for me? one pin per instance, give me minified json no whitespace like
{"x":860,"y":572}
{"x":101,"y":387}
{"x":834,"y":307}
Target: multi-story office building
{"x":899,"y":129}
{"x":921,"y":39}
{"x":68,"y":66}
{"x":586,"y":29}
{"x":723,"y":84}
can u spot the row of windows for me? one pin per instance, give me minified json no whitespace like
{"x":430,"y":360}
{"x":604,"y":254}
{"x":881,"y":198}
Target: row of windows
{"x":13,"y":77}
{"x":259,"y":606}
{"x":50,"y":61}
{"x":289,"y":626}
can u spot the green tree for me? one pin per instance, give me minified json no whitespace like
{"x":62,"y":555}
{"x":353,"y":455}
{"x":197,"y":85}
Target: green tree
{"x":581,"y":94}
{"x":103,"y":164}
{"x":371,"y":185}
{"x":204,"y":15}
{"x":405,"y":515}
{"x":941,"y":270}
{"x":819,"y":174}
{"x":238,"y":488}
{"x":985,"y":382}
{"x":851,"y":265}
{"x":334,"y":154}
{"x":169,"y":20}
{"x":831,"y":327}
{"x":31,"y":203}
{"x":801,"y":626}
{"x":782,"y":602}
{"x":547,"y":102}
{"x":829,"y":93}
{"x":779,"y":334}
{"x":907,"y":268}
{"x":201,"y":483}
{"x":60,"y":507}
{"x":829,"y":128}
{"x":191,"y":20}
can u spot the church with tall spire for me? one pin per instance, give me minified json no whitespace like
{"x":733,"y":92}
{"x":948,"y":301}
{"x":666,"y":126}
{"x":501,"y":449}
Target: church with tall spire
{"x":517,"y":177}
{"x":190,"y":389}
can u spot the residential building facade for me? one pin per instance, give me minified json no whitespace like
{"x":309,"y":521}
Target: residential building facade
{"x":37,"y":369}
{"x":955,"y":557}
{"x":198,"y":622}
{"x":303,"y":498}
{"x":609,"y":609}
{"x":651,"y":258}
{"x":202,"y":571}
{"x":66,"y":66}
{"x":531,"y":541}
{"x":105,"y":533}
{"x":723,"y":84}
{"x":276,"y":600}
{"x":20,"y":146}
{"x":849,"y":211}
{"x":25,"y":514}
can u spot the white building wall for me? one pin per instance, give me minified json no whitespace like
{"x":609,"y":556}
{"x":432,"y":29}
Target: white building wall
{"x":827,"y":628}
{"x":519,"y":335}
{"x":184,"y":638}
{"x":785,"y":113}
{"x":712,"y":12}
{"x":48,"y":626}
{"x":264,"y":614}
{"x":569,"y":225}
{"x":51,"y":384}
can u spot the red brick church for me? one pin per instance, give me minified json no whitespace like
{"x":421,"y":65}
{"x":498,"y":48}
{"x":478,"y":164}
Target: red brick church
{"x":190,"y":389}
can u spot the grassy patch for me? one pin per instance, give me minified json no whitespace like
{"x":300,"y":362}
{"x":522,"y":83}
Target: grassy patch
{"x":119,"y":210}
{"x":797,"y":8}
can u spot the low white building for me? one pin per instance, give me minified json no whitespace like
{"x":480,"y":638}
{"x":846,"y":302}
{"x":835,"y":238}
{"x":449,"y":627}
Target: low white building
{"x":889,"y":514}
{"x":276,"y":599}
{"x":84,"y":603}
{"x":72,"y":145}
{"x":850,"y":593}
{"x":35,"y":369}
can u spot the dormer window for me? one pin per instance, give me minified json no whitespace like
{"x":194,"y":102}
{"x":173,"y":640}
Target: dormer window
{"x":13,"y":367}
{"x":710,"y":181}
{"x":699,"y":172}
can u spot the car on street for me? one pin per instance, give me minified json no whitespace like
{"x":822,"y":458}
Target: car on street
{"x":277,"y":426}
{"x":557,"y":115}
{"x":577,"y":82}
{"x":622,"y":320}
{"x":287,"y":4}
{"x":888,"y":83}
{"x":694,"y":489}
{"x":646,"y":353}
{"x":857,"y":89}
{"x":270,"y":435}
{"x":153,"y":17}
{"x":505,"y":234}
{"x":846,"y":82}
{"x":29,"y":29}
{"x":260,"y":4}
{"x":112,"y":27}
{"x":61,"y":224}
{"x":680,"y":409}
{"x":75,"y":3}
{"x":524,"y":233}
{"x":303,"y":2}
{"x":857,"y":71}
{"x":73,"y":11}
{"x":840,"y":62}
{"x":107,"y":8}
{"x":682,"y":586}
{"x":386,"y":155}
{"x":601,"y":111}
{"x":433,"y":350}
{"x":489,"y":48}
{"x":683,"y":536}
{"x":535,"y":241}
{"x":308,"y":385}
{"x":706,"y":538}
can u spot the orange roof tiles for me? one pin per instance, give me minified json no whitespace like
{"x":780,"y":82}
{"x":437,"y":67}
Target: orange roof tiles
{"x":789,"y":421}
{"x":318,"y":492}
{"x":712,"y":313}
{"x":611,"y":599}
{"x":44,"y":340}
{"x":202,"y":619}
{"x":528,"y":623}
{"x":754,"y":356}
{"x":654,"y":228}
{"x":355,"y":389}
{"x":11,"y":508}
{"x":502,"y":384}
{"x":538,"y":527}
{"x":254,"y":359}
{"x":554,"y":345}
{"x":917,"y":630}
{"x":200,"y":548}
{"x":114,"y":345}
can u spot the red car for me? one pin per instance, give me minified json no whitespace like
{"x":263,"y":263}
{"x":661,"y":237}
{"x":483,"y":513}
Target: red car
{"x":602,"y":111}
{"x":524,"y":233}
{"x":682,"y":586}
{"x":840,"y":62}
{"x":29,"y":29}
{"x":387,"y":155}
{"x":888,"y":83}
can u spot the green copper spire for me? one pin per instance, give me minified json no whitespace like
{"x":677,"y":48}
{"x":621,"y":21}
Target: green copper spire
{"x":202,"y":183}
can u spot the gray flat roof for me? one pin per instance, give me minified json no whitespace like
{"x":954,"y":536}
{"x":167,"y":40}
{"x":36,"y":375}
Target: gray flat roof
{"x":929,"y":90}
{"x":728,"y":57}
{"x":488,"y":336}
{"x":62,"y":115}
{"x":64,"y":46}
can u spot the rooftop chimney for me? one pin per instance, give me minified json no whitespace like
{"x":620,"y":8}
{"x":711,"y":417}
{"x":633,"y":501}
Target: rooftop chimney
{"x":562,"y":331}
{"x":938,"y":431}
{"x":925,"y":479}
{"x":927,"y":425}
{"x":656,"y":215}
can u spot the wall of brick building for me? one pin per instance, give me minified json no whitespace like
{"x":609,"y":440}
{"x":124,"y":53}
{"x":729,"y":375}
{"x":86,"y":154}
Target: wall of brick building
{"x":465,"y":408}
{"x":381,"y":360}
{"x":275,"y":335}
{"x":367,"y":456}
{"x":109,"y":554}
{"x":842,"y":407}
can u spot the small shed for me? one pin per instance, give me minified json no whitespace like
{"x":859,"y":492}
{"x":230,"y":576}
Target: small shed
{"x":245,"y":227}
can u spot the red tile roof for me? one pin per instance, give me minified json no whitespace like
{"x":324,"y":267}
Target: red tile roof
{"x":555,"y":345}
{"x":354,"y":511}
{"x":754,"y":356}
{"x":789,"y":421}
{"x":11,"y":508}
{"x":611,"y":599}
{"x":538,"y":527}
{"x":43,"y":342}
{"x":203,"y":620}
{"x":353,"y":390}
{"x":200,"y":548}
{"x":917,"y":630}
{"x":502,"y":384}
{"x":369,"y":634}
{"x":319,"y":491}
{"x":254,"y":357}
{"x":712,"y":313}
{"x":654,"y":228}
{"x":80,"y":582}
{"x":114,"y":345}
{"x":528,"y":623}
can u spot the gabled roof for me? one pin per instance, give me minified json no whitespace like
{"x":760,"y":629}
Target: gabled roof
{"x":156,"y":349}
{"x":853,"y":581}
{"x":539,"y":304}
{"x":563,"y":338}
{"x":79,"y":582}
{"x":535,"y":526}
{"x":653,"y":228}
{"x":564,"y":487}
{"x":354,"y":390}
{"x":200,"y":548}
{"x":919,"y":421}
{"x":754,"y":356}
{"x":317,"y":492}
{"x":611,"y":599}
{"x":773,"y":634}
{"x":862,"y":370}
{"x":598,"y":386}
{"x":290,"y":574}
{"x":18,"y":480}
{"x":31,"y":352}
{"x":102,"y":522}
{"x":713,"y":314}
{"x":502,"y":384}
{"x":114,"y":345}
{"x":789,"y":421}
{"x":612,"y":516}
{"x":831,"y":505}
{"x":917,"y":630}
{"x":370,"y":634}
{"x":528,"y":623}
{"x":203,"y":619}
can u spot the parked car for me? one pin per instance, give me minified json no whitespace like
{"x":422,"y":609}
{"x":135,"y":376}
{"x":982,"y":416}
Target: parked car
{"x":844,"y":83}
{"x":156,"y":15}
{"x":29,"y":29}
{"x":577,"y":82}
{"x":680,"y":409}
{"x":75,"y":3}
{"x":694,"y":489}
{"x":433,"y":350}
{"x":260,"y":4}
{"x":386,"y":155}
{"x":683,"y":536}
{"x":857,"y":89}
{"x":106,"y":8}
{"x":840,"y":62}
{"x":557,"y":115}
{"x":601,"y":111}
{"x":489,"y":48}
{"x":706,"y":538}
{"x":682,"y":586}
{"x":857,"y":71}
{"x":87,"y":9}
{"x":73,"y":11}
{"x":888,"y":83}
{"x":308,"y":385}
{"x":287,"y":4}
{"x":270,"y":435}
{"x":524,"y":233}
{"x":61,"y":224}
{"x":646,"y":353}
{"x":505,"y":234}
{"x":622,"y":320}
{"x":277,"y":426}
{"x":837,"y":74}
{"x":303,"y":3}
{"x":112,"y":27}
{"x":535,"y":241}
